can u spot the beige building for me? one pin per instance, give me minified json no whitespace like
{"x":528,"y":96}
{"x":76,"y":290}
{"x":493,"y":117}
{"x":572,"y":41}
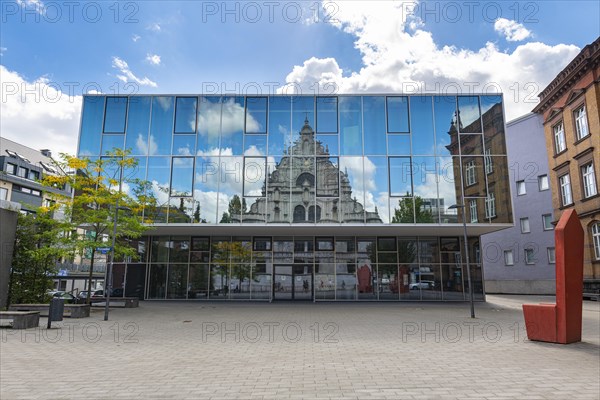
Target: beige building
{"x":569,"y":106}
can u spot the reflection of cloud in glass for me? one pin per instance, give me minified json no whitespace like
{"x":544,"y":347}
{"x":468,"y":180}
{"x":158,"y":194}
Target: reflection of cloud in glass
{"x":209,"y":119}
{"x":165,"y":102}
{"x":142,"y":146}
{"x":232,"y":114}
{"x":184,"y":151}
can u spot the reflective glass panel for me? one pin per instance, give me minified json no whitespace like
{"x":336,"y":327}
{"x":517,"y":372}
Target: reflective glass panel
{"x":388,"y":281}
{"x":452,"y":278}
{"x":206,"y":189}
{"x":366,"y":272}
{"x":160,"y":249}
{"x":177,"y":281}
{"x":425,"y":179}
{"x":469,"y":114}
{"x":161,"y":130}
{"x":91,"y":126}
{"x":115,"y":115}
{"x":184,"y":145}
{"x":400,"y":176}
{"x":232,"y":126}
{"x":471,"y":144}
{"x":328,"y":177}
{"x":421,"y":123}
{"x":231,"y":203}
{"x":374,"y":124}
{"x":398,"y":144}
{"x":397,"y":114}
{"x":430,"y":281}
{"x":256,"y":115}
{"x":350,"y":125}
{"x":303,"y":189}
{"x":198,"y":285}
{"x":327,"y":115}
{"x":182,"y":176}
{"x":493,"y":124}
{"x":377,"y":208}
{"x":303,"y":117}
{"x":241,"y":279}
{"x":280,"y":119}
{"x":278,"y":189}
{"x":159,"y":176}
{"x":157,"y":282}
{"x":209,"y":124}
{"x":352,"y":192}
{"x":327,"y":144}
{"x":138,"y":125}
{"x":185,"y":114}
{"x":446,"y":133}
{"x":110,"y":142}
{"x":255,"y":145}
{"x":261,"y":284}
{"x":255,"y":173}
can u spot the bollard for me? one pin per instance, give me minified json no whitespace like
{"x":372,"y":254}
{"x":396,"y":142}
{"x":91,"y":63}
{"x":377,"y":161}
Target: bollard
{"x":55,"y":311}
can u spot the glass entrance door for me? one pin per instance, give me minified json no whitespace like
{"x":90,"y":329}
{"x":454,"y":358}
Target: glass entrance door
{"x":292,"y":282}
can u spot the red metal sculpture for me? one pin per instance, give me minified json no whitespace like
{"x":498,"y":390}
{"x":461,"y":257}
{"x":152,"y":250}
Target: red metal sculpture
{"x":561,"y":322}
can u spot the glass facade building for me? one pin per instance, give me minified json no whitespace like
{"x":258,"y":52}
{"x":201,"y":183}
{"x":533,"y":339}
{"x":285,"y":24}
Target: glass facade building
{"x":306,"y":197}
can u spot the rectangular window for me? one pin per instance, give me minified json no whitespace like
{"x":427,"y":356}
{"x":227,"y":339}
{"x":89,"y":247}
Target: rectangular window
{"x":529,"y":256}
{"x":327,"y":115}
{"x":543,"y":183}
{"x":525,"y":225}
{"x":547,"y":222}
{"x":3,"y":193}
{"x":508,"y":257}
{"x":551,"y":255}
{"x":256,"y":115}
{"x":521,"y":188}
{"x":400,"y":177}
{"x":34,"y":175}
{"x":596,"y":239}
{"x":262,"y":244}
{"x":473,"y":210}
{"x":22,"y":172}
{"x":328,"y":177}
{"x":559,"y":138}
{"x":11,"y":168}
{"x":397,"y":114}
{"x":115,"y":114}
{"x":185,"y":114}
{"x":490,"y":206}
{"x":489,"y":164}
{"x":324,"y":244}
{"x":471,"y":177}
{"x":589,"y":181}
{"x":36,"y":192}
{"x":581,"y":126}
{"x":565,"y":190}
{"x":182,"y":176}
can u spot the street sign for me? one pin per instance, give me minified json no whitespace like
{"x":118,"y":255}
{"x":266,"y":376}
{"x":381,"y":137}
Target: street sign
{"x":103,"y":250}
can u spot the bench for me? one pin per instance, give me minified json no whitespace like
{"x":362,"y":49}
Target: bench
{"x":125,"y":302}
{"x":70,"y":310}
{"x":22,"y":319}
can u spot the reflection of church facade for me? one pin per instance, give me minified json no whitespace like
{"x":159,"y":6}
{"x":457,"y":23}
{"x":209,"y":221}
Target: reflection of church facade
{"x":306,"y":172}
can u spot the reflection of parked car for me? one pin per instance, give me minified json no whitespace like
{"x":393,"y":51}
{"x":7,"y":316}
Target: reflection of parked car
{"x":421,"y":285}
{"x":67,"y":297}
{"x":83,"y":294}
{"x":116,"y":292}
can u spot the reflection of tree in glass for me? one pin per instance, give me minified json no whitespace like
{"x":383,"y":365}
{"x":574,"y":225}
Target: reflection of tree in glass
{"x":236,"y":208}
{"x":406,"y":214}
{"x":238,"y":255}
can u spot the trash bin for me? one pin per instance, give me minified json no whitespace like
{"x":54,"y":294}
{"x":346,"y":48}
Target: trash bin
{"x":57,"y":307}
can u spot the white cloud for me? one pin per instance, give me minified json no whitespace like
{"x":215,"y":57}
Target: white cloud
{"x":135,"y":38}
{"x":512,"y":30}
{"x":155,"y":27}
{"x":36,"y":113}
{"x":36,"y":5}
{"x":153,"y":59}
{"x":128,"y":76}
{"x":412,"y":62}
{"x":2,"y":50}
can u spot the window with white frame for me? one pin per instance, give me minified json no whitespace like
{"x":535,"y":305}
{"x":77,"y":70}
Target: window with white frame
{"x":22,"y":172}
{"x":11,"y":169}
{"x":581,"y":126}
{"x":565,"y":189}
{"x":589,"y":180}
{"x":525,"y":225}
{"x":3,"y":193}
{"x":547,"y":222}
{"x":596,"y":239}
{"x":490,"y":205}
{"x":543,"y":183}
{"x":508,"y":257}
{"x":521,"y":189}
{"x":559,"y":138}
{"x":489,"y":164}
{"x":470,"y":173}
{"x":473,"y":210}
{"x":551,"y":255}
{"x":529,"y":256}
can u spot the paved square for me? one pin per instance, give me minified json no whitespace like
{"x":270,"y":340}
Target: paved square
{"x":184,"y":350}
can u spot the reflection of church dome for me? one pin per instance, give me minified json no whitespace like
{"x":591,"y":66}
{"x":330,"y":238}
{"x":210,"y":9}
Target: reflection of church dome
{"x":300,"y":177}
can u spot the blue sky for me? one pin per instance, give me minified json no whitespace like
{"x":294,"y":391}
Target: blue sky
{"x":61,"y":51}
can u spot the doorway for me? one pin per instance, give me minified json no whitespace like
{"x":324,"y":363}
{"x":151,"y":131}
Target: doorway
{"x":293,"y":282}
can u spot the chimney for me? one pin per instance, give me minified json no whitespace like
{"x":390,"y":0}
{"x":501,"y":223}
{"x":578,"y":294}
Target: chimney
{"x":46,"y":153}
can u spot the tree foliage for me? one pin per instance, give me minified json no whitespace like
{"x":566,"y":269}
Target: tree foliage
{"x":236,"y":208}
{"x":405,"y":214}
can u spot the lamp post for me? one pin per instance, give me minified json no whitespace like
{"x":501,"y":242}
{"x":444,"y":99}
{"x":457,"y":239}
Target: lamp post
{"x":470,"y":283}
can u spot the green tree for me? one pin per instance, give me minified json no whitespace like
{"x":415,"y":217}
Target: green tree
{"x":41,"y":241}
{"x":103,"y":187}
{"x":236,"y":208}
{"x":405,"y":214}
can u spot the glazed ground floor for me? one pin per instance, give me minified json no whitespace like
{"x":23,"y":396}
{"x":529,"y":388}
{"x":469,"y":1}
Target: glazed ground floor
{"x":302,"y":268}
